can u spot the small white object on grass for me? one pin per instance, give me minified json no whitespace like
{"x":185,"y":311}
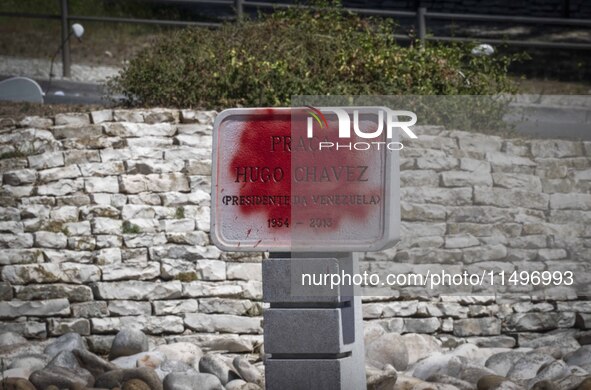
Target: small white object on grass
{"x":483,"y":49}
{"x":78,"y":30}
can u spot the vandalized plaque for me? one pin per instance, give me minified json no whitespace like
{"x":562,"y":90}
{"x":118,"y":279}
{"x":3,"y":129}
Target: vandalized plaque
{"x":306,"y":179}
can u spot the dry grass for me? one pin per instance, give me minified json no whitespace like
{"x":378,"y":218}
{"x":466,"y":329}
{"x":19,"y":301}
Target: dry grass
{"x":104,"y":44}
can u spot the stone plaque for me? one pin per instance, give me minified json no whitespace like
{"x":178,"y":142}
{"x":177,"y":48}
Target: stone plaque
{"x":305,"y":179}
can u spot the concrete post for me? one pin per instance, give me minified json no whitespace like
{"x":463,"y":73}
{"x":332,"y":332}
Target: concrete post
{"x":313,"y":338}
{"x":65,"y":40}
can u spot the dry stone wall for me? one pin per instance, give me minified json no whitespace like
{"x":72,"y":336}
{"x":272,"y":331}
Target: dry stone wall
{"x":104,"y":222}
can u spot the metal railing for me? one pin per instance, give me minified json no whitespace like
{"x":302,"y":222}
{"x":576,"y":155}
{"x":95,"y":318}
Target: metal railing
{"x":420,"y":16}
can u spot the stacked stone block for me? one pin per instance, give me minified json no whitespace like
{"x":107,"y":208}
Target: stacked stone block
{"x":104,"y":224}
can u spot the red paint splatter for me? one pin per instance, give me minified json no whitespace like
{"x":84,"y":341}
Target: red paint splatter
{"x":255,"y":151}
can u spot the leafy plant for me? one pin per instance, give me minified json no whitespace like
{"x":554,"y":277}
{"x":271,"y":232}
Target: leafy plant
{"x":130,"y":228}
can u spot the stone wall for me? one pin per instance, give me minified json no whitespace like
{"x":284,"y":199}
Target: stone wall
{"x":104,"y":223}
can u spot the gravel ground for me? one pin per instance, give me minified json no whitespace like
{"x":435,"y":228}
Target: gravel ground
{"x":39,"y":68}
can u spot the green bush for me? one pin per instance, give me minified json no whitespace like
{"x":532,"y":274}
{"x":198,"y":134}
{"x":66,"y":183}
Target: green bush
{"x":326,"y":51}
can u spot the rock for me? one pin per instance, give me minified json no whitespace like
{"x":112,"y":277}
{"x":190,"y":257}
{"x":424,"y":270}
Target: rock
{"x":128,"y":342}
{"x":555,"y":352}
{"x":420,"y":346}
{"x":545,"y":385}
{"x":551,"y":371}
{"x":502,"y":362}
{"x":185,"y":352}
{"x":251,"y":386}
{"x":585,"y":385}
{"x":94,"y":364}
{"x":150,"y":360}
{"x":432,"y":365}
{"x":133,"y":361}
{"x":169,"y":366}
{"x":135,"y":384}
{"x":247,"y":371}
{"x":528,"y":366}
{"x":381,"y":380}
{"x":571,"y":382}
{"x":30,"y":362}
{"x":72,"y":119}
{"x":422,"y":325}
{"x":492,"y":382}
{"x":472,"y":374}
{"x":580,"y":357}
{"x":67,"y":342}
{"x":100,"y":344}
{"x":236,"y":384}
{"x":181,"y":381}
{"x":372,"y":331}
{"x":20,"y":372}
{"x":213,"y":364}
{"x":450,"y":380}
{"x":566,"y":343}
{"x":576,"y":370}
{"x":527,"y":322}
{"x":64,"y":359}
{"x":10,"y":341}
{"x":16,"y":384}
{"x":388,"y":349}
{"x":473,"y":354}
{"x":486,"y":326}
{"x":408,"y":383}
{"x":117,"y":378}
{"x":62,"y":378}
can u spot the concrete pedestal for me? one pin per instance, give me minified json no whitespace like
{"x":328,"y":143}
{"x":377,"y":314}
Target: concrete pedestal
{"x":313,"y":335}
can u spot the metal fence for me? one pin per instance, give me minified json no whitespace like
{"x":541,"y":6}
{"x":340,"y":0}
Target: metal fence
{"x":420,"y":18}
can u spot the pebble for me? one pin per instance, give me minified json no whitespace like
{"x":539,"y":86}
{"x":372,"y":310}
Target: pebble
{"x":10,"y":341}
{"x":388,"y":349}
{"x":185,"y":352}
{"x":492,"y":382}
{"x":128,"y":342}
{"x":133,"y":361}
{"x":502,"y":362}
{"x":31,"y":362}
{"x":94,"y":364}
{"x":545,"y":385}
{"x":213,"y":364}
{"x":528,"y":366}
{"x":184,"y":381}
{"x":66,"y":342}
{"x":378,"y":379}
{"x":61,"y":377}
{"x":117,"y":378}
{"x":450,"y":380}
{"x":16,"y":384}
{"x":236,"y":384}
{"x":135,"y":384}
{"x":247,"y":371}
{"x":64,"y":359}
{"x":580,"y":357}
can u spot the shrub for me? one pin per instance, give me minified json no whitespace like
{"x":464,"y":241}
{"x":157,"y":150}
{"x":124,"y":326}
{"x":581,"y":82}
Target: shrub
{"x":325,"y":51}
{"x":130,"y":228}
